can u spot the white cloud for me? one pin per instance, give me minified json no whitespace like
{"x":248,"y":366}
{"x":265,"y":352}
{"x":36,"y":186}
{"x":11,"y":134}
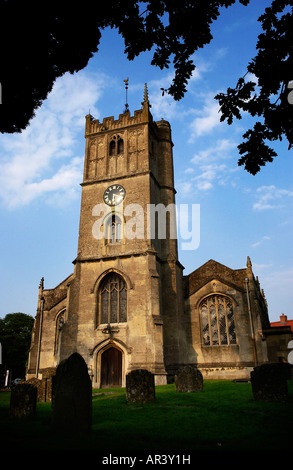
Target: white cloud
{"x":208,"y":118}
{"x":251,"y":77}
{"x":261,"y":266}
{"x":280,"y":280}
{"x":220,"y":150}
{"x":221,"y":53}
{"x":258,"y":243}
{"x":189,"y":170}
{"x":270,"y":197}
{"x":211,"y":165}
{"x":73,"y":96}
{"x":164,"y":105}
{"x":209,"y":174}
{"x":184,"y":187}
{"x":204,"y":184}
{"x":161,"y":105}
{"x":62,"y":184}
{"x":42,"y":160}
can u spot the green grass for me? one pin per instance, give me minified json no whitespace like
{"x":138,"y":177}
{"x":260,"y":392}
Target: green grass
{"x":223,"y":416}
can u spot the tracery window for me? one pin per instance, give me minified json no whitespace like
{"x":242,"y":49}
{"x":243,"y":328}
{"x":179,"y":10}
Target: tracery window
{"x":113,"y":229}
{"x":112,"y":148}
{"x":113,"y":300}
{"x":217,"y":321}
{"x":120,"y":146}
{"x":59,"y":324}
{"x":116,"y":145}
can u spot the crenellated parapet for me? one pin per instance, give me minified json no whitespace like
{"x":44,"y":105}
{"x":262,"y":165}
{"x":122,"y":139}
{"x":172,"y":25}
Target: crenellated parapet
{"x":94,"y":126}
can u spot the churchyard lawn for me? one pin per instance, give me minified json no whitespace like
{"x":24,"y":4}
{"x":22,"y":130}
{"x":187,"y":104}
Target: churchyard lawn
{"x":222,"y":417}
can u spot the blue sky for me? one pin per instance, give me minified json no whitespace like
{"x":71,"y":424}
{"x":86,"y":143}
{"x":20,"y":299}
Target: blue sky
{"x":41,"y":169}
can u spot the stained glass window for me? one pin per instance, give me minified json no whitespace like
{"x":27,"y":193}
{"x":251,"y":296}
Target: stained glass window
{"x":217,"y":321}
{"x":113,"y":300}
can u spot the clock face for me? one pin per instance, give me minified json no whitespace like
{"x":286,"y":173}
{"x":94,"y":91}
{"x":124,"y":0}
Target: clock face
{"x":114,"y":195}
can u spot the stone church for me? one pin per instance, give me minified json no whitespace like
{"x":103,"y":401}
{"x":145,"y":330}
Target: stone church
{"x":128,"y":305}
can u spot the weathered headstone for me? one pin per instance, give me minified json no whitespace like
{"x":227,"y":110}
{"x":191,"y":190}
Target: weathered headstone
{"x":72,"y":404}
{"x":188,"y":379}
{"x":269,"y":382}
{"x":47,"y":379}
{"x":140,"y":386}
{"x":38,"y":384}
{"x":23,"y":401}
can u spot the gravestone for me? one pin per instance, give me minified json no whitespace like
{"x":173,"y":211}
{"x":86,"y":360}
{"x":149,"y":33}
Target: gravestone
{"x":269,"y":382}
{"x":140,"y":386}
{"x":38,"y":384}
{"x":23,"y":401}
{"x":47,"y":383}
{"x":188,"y":379}
{"x":44,"y":386}
{"x":72,"y":403}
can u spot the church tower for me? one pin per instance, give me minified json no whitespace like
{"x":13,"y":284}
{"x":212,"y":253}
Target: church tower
{"x":122,"y":308}
{"x":128,"y":303}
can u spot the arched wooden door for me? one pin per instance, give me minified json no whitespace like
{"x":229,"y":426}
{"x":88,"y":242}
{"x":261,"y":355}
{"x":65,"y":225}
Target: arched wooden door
{"x":111,"y":368}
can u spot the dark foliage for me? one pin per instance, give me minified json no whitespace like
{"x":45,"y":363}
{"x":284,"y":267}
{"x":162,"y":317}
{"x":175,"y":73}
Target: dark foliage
{"x":268,"y":99}
{"x":40,"y":41}
{"x":15,"y":338}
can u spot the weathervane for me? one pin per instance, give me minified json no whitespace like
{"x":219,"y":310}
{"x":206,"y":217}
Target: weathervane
{"x":126,"y":110}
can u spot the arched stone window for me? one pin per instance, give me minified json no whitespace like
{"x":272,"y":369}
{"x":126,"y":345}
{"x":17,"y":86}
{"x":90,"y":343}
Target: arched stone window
{"x":59,"y":324}
{"x":112,"y":148}
{"x":217,"y":321}
{"x":112,"y":300}
{"x":113,"y":229}
{"x":116,"y":145}
{"x":120,"y":148}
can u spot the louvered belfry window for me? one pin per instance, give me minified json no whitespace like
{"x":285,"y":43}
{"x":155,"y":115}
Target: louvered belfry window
{"x":113,"y":229}
{"x":113,"y":300}
{"x":116,"y":146}
{"x":217,"y":321}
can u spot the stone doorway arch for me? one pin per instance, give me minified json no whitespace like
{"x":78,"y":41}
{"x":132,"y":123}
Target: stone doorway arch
{"x":101,"y":361}
{"x":111,"y":367}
